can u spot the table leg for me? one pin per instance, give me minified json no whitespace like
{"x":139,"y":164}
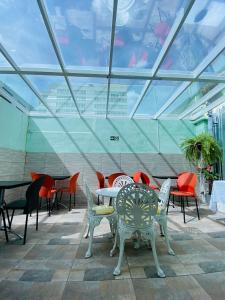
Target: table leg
{"x":3,"y":214}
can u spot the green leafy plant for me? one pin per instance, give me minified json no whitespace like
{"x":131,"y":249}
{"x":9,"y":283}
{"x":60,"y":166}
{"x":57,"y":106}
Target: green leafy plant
{"x":202,"y":147}
{"x":210,"y":175}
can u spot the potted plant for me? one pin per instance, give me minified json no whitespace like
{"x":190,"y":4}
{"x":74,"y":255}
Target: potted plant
{"x":202,"y":151}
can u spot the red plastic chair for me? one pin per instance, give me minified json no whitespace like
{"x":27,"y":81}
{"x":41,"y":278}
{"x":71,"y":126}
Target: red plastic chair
{"x":186,"y":184}
{"x":101,"y":182}
{"x":112,"y":177}
{"x":144,"y":179}
{"x":71,"y":189}
{"x":47,"y":189}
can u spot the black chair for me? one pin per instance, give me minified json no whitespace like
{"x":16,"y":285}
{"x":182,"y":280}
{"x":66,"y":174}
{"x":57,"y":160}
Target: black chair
{"x":27,"y":205}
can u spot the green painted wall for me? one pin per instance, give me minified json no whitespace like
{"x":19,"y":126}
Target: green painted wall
{"x":72,"y":135}
{"x":13,"y":127}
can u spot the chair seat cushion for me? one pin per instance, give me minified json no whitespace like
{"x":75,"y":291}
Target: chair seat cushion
{"x":17,"y":204}
{"x":181,"y":193}
{"x":154,"y":187}
{"x":103,"y":210}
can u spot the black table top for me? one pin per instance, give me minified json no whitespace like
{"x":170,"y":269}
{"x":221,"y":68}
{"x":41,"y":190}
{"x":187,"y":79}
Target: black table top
{"x":10,"y":184}
{"x":60,"y":177}
{"x":165,"y":176}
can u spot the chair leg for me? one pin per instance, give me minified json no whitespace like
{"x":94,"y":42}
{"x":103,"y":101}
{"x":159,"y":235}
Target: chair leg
{"x":49,"y":207}
{"x":87,"y":232}
{"x":70,"y":203}
{"x":110,"y":201}
{"x":4,"y":224}
{"x":117,"y":269}
{"x":37,"y":219}
{"x":182,"y":201}
{"x":7,"y":214}
{"x":187,"y":202}
{"x":165,"y":229}
{"x":112,"y":251}
{"x":74,"y":200}
{"x":47,"y":204}
{"x":91,"y":231}
{"x":12,"y":215}
{"x":25,"y":230}
{"x":168,"y":204}
{"x":196,"y":203}
{"x":159,"y":270}
{"x":98,"y":200}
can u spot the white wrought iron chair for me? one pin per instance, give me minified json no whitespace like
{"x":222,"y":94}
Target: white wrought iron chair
{"x":161,"y":216}
{"x":136,"y":206}
{"x":95,"y":214}
{"x":122,"y":180}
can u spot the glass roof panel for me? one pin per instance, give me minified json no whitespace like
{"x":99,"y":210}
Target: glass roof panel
{"x":55,"y":93}
{"x":141,"y":29}
{"x":3,"y":62}
{"x":201,"y":32}
{"x":83,"y":31}
{"x":91,"y":94}
{"x":217,"y":67}
{"x":124,"y":93}
{"x":188,"y":98}
{"x":15,"y":87}
{"x":158,"y":93}
{"x":24,"y":36}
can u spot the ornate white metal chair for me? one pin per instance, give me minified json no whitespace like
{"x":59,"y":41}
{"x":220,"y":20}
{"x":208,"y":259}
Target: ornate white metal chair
{"x":95,"y":214}
{"x":136,"y":206}
{"x":122,"y":180}
{"x":161,"y":216}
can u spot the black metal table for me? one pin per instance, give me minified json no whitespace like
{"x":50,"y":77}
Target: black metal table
{"x":6,"y":185}
{"x":165,"y":176}
{"x":60,"y":177}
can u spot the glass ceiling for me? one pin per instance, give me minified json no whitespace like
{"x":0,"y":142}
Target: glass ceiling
{"x":104,"y":58}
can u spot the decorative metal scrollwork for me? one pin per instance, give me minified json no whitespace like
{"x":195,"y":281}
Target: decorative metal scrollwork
{"x":136,"y":203}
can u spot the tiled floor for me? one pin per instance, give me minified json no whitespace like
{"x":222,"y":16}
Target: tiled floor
{"x":52,"y":265}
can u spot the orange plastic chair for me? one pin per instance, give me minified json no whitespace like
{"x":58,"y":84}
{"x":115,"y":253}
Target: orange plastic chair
{"x":46,"y":190}
{"x":186,"y":184}
{"x":71,"y":189}
{"x":112,"y":177}
{"x":144,"y":179}
{"x":101,"y":182}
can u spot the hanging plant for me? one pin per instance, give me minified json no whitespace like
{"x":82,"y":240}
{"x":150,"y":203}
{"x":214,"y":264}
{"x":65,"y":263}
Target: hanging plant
{"x":202,"y":148}
{"x":202,"y":151}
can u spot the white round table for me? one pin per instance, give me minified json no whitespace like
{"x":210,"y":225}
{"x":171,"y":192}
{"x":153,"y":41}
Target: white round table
{"x":108,"y":192}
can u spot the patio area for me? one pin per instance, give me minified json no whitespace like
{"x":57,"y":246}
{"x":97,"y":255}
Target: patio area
{"x":52,"y":265}
{"x":112,"y":111}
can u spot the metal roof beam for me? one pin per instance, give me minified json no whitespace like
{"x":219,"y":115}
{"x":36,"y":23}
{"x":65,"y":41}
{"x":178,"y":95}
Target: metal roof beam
{"x":198,"y":71}
{"x":203,"y":100}
{"x":56,"y":49}
{"x":111,"y":53}
{"x":167,"y":44}
{"x":213,"y":105}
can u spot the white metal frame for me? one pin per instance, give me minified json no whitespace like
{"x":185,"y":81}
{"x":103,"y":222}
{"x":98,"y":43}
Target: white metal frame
{"x":154,"y":74}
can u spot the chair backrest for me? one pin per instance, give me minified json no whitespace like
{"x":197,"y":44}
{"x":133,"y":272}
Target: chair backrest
{"x":137,"y":176}
{"x":164,"y":193}
{"x":73,"y":182}
{"x":101,"y":180}
{"x":46,"y":186}
{"x":122,"y":180}
{"x":32,"y":194}
{"x":141,"y":176}
{"x":112,"y":177}
{"x":186,"y":182}
{"x":90,"y":201}
{"x":136,"y":204}
{"x":145,"y":179}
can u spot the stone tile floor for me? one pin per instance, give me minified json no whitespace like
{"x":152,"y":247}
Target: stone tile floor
{"x":52,"y":265}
